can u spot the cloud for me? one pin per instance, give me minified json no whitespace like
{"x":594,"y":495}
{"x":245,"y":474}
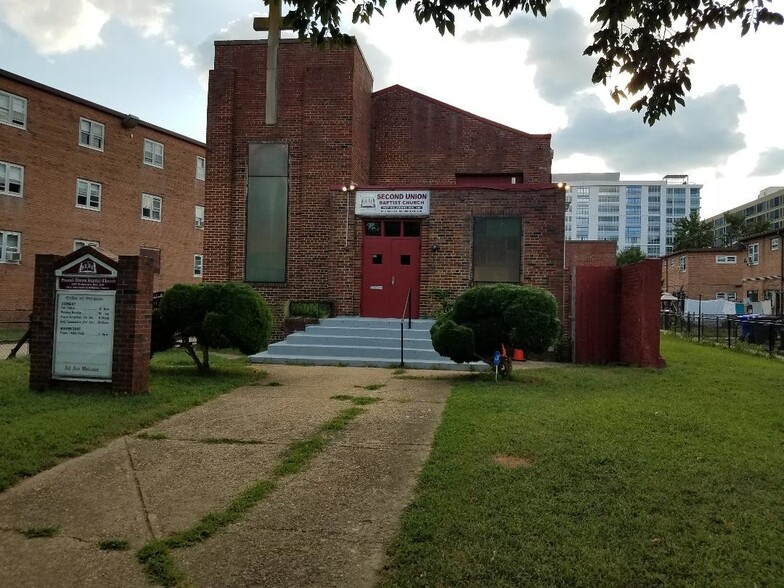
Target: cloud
{"x":770,"y":163}
{"x":204,"y":56}
{"x":62,"y":26}
{"x":380,"y":63}
{"x":704,"y":133}
{"x":556,"y":45}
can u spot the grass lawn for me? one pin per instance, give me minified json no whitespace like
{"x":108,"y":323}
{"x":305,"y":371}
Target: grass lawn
{"x":39,"y":429}
{"x":624,"y":477}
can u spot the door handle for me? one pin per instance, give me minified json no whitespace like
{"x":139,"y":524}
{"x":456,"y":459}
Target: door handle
{"x":393,"y":280}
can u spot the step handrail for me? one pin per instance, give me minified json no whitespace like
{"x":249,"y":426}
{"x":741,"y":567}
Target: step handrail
{"x":406,"y":308}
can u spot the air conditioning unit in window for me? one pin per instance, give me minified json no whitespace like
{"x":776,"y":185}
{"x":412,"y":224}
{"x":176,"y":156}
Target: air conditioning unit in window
{"x":14,"y":257}
{"x":199,"y":223}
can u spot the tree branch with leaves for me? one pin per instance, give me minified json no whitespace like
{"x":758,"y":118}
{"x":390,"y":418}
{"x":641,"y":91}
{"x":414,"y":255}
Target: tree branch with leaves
{"x":638,"y":38}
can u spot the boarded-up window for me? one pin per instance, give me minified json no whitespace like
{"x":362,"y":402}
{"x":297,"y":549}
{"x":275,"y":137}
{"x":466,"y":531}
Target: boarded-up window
{"x":155,"y":255}
{"x":497,"y":249}
{"x":267,"y":212}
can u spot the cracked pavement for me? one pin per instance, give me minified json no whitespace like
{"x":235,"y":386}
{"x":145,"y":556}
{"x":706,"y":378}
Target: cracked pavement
{"x":328,"y":525}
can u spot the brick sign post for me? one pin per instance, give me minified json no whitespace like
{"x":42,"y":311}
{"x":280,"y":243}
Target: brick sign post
{"x":92,"y":315}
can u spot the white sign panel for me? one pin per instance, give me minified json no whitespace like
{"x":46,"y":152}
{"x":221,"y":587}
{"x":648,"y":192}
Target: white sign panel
{"x":84,"y":335}
{"x":392,"y":203}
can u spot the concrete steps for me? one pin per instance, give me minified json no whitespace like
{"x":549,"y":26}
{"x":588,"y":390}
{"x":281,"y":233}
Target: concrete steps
{"x":363,"y":342}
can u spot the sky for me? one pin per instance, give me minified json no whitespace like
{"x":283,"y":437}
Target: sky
{"x":152,"y":59}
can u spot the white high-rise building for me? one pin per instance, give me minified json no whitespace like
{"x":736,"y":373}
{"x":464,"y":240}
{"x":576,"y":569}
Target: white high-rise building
{"x":601,"y":207}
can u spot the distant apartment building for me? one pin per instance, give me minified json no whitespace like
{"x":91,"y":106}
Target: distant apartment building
{"x":713,"y":274}
{"x":763,"y":268}
{"x":768,"y":206}
{"x":749,"y":271}
{"x":601,"y":207}
{"x":73,"y":172}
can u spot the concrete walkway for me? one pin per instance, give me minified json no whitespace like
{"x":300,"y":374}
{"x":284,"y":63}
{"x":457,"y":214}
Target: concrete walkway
{"x":328,"y":525}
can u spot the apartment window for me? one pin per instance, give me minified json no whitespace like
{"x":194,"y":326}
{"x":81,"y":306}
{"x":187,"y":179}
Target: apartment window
{"x":721,"y":295}
{"x":497,"y":249}
{"x":151,"y":207}
{"x":197,"y":263}
{"x":11,"y":179}
{"x":633,"y":191}
{"x":774,"y":244}
{"x":722,"y":259}
{"x":79,"y":243}
{"x":10,"y":243}
{"x":88,"y":194}
{"x":753,"y":254}
{"x":13,"y":110}
{"x":201,"y":166}
{"x":581,"y":191}
{"x":682,"y":263}
{"x":91,"y":134}
{"x":153,"y":153}
{"x":199,"y":217}
{"x":267,"y":210}
{"x":731,"y":296}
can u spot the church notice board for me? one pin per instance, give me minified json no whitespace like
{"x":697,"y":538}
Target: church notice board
{"x":84,"y":320}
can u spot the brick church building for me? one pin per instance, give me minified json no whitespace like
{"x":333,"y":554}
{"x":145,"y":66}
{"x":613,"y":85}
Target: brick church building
{"x":354,"y":196}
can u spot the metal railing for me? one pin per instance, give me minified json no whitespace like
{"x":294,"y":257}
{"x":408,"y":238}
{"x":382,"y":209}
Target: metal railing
{"x":763,"y":332}
{"x":406,"y":310}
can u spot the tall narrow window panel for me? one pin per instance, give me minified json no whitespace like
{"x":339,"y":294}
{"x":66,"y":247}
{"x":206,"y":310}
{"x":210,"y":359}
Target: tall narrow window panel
{"x":497,"y":242}
{"x":88,"y":194}
{"x":11,"y":179}
{"x":151,"y":207}
{"x":10,"y":247}
{"x":753,"y":254}
{"x":199,"y":217}
{"x":13,"y":110}
{"x":91,"y":134}
{"x":266,"y":235}
{"x":201,"y":168}
{"x":197,"y":265}
{"x":153,"y":153}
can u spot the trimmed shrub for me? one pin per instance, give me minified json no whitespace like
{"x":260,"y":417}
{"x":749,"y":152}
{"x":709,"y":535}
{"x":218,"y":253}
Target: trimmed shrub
{"x":212,"y":316}
{"x":486,"y":317}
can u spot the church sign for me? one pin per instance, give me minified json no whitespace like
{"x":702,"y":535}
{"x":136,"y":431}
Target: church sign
{"x":84,"y":320}
{"x":397,"y":203}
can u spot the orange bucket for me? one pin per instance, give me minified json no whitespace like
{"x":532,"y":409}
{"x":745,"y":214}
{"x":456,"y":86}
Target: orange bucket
{"x":518,"y":355}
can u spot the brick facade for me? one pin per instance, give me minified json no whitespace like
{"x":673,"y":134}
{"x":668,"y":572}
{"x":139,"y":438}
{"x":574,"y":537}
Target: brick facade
{"x":703,"y":275}
{"x":46,"y":214}
{"x":132,"y":323}
{"x":616,"y":313}
{"x":339,"y":132}
{"x":419,"y":140}
{"x":763,"y":278}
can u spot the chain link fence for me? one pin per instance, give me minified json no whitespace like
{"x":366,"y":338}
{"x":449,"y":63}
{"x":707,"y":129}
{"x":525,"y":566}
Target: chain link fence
{"x":14,"y":332}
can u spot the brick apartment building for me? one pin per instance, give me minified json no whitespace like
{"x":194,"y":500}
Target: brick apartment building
{"x":763,"y":268}
{"x":434,"y":196}
{"x":710,"y":273}
{"x":749,"y":272}
{"x":73,"y":172}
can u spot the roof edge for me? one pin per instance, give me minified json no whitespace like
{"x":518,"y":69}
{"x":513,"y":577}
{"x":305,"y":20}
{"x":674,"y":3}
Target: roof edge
{"x":73,"y":98}
{"x":448,"y":106}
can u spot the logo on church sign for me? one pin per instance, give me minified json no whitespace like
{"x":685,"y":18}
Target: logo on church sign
{"x":397,"y":203}
{"x":84,"y":320}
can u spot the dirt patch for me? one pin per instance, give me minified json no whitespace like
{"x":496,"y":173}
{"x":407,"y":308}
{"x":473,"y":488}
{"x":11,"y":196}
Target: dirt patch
{"x":513,"y":461}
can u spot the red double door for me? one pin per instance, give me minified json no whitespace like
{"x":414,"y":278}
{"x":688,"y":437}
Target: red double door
{"x":390,"y":267}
